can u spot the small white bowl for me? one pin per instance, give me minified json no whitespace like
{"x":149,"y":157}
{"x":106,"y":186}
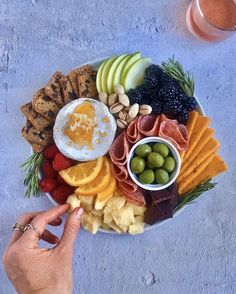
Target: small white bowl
{"x":174,"y":174}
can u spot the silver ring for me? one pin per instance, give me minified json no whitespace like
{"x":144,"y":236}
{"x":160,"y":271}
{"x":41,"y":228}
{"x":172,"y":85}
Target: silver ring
{"x":18,"y":227}
{"x":30,"y":226}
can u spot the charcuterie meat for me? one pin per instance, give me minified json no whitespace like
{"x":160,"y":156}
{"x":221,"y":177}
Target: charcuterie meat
{"x":136,"y":197}
{"x":148,"y":125}
{"x":119,"y":150}
{"x":128,"y":185}
{"x":119,"y":171}
{"x":132,"y":133}
{"x":174,"y":132}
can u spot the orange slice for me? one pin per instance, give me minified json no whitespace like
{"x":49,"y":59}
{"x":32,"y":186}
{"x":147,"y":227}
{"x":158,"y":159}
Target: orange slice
{"x":106,"y":194}
{"x":99,"y":183}
{"x":82,"y":173}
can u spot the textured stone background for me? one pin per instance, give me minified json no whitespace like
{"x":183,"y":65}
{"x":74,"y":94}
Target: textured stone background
{"x":194,"y":253}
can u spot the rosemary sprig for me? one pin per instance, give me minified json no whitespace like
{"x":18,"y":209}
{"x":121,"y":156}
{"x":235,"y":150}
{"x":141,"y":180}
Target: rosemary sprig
{"x":191,"y":196}
{"x":31,"y":181}
{"x":175,"y":70}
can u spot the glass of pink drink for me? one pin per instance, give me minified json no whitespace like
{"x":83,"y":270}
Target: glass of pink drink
{"x":212,"y":20}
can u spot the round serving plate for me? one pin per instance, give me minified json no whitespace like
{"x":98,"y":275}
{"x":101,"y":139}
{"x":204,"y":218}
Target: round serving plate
{"x":95,"y":64}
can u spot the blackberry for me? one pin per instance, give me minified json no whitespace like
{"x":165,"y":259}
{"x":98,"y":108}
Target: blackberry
{"x":173,"y":106}
{"x":183,"y":116}
{"x":157,"y":106}
{"x":189,"y":103}
{"x":170,"y":92}
{"x":138,"y":95}
{"x":152,"y":76}
{"x":167,"y":80}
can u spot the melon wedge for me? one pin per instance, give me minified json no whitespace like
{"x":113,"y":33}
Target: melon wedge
{"x":135,"y":74}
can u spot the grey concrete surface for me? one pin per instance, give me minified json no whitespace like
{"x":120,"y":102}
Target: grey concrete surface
{"x":195,"y":252}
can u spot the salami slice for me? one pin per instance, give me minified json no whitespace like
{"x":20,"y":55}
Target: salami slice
{"x":119,"y":150}
{"x":136,"y":197}
{"x":148,"y":125}
{"x":128,"y":185}
{"x":120,"y":172}
{"x":174,"y":132}
{"x":132,"y":133}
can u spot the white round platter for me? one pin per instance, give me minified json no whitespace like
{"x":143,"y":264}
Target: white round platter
{"x":95,"y":64}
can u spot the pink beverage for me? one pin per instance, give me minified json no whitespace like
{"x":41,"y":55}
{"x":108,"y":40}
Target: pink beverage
{"x":212,"y":20}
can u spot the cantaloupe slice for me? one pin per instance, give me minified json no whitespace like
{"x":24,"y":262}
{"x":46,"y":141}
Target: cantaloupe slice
{"x":215,"y":167}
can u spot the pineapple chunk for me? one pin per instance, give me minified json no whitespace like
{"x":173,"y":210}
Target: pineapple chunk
{"x":73,"y":201}
{"x":87,"y":202}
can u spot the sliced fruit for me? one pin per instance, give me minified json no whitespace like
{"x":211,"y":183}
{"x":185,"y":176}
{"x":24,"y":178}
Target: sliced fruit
{"x":106,"y":194}
{"x":118,"y":72}
{"x":99,"y":183}
{"x":133,"y":58}
{"x":104,"y":74}
{"x":135,"y":75}
{"x":99,"y":76}
{"x":82,"y":173}
{"x":111,"y":73}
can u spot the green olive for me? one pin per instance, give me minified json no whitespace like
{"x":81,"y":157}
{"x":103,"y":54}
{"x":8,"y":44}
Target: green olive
{"x":161,"y":149}
{"x":169,"y":164}
{"x":147,"y":176}
{"x":149,"y":165}
{"x":143,"y":150}
{"x":137,"y":165}
{"x":155,"y":159}
{"x":161,"y":176}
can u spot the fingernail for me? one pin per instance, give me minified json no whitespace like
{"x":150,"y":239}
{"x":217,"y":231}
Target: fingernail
{"x":79,"y":213}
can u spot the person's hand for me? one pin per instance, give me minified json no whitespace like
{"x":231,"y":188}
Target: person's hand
{"x":32,"y":269}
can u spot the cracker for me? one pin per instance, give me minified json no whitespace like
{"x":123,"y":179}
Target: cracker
{"x":53,"y":89}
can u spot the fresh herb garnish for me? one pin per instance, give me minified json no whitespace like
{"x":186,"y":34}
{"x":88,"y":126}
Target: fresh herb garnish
{"x":175,"y":70}
{"x":31,"y":181}
{"x":191,"y":196}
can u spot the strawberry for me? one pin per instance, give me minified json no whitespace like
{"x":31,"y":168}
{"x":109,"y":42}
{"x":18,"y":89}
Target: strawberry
{"x":50,"y":151}
{"x":48,"y":170}
{"x":60,"y":180}
{"x":61,"y":192}
{"x":47,"y":184}
{"x":61,"y":162}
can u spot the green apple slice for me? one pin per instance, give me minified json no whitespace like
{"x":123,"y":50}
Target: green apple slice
{"x":117,"y":74}
{"x":111,"y":73}
{"x":99,"y":76}
{"x":133,"y":58}
{"x":105,"y":72}
{"x":135,"y":75}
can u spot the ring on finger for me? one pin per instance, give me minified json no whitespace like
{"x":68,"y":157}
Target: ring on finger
{"x":18,"y":227}
{"x":30,"y":226}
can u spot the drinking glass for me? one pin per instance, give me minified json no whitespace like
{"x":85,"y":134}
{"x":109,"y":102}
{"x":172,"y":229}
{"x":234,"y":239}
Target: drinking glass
{"x":212,"y":20}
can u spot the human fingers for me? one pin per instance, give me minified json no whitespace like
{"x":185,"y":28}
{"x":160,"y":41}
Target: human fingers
{"x":49,"y":237}
{"x":71,"y":229}
{"x":23,"y":220}
{"x":39,"y":223}
{"x":56,"y":222}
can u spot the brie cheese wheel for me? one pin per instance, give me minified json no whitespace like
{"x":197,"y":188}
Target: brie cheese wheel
{"x":103,"y":135}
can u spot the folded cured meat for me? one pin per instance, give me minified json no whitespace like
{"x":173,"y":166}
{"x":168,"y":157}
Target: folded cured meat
{"x":132,"y":133}
{"x":119,"y":150}
{"x":119,"y":171}
{"x":128,"y":185}
{"x":148,"y":125}
{"x":174,"y":132}
{"x":136,"y":197}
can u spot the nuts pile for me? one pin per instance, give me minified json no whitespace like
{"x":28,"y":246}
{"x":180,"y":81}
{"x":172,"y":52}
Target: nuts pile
{"x":119,"y":105}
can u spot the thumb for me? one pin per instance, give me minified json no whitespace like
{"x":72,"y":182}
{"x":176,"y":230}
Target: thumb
{"x":71,"y":229}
